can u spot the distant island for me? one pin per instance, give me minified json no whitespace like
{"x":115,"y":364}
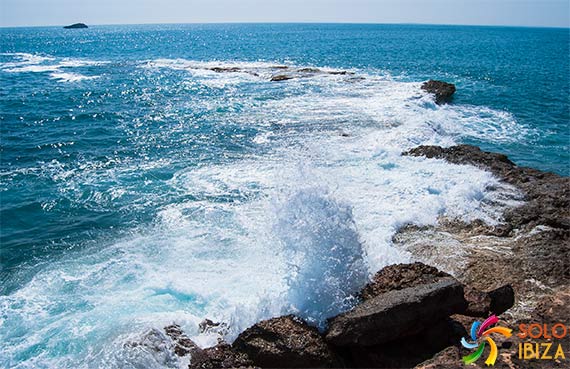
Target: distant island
{"x":76,"y":25}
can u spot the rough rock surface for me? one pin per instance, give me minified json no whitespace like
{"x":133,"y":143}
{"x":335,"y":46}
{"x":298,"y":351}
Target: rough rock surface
{"x":396,"y":314}
{"x":286,"y":342}
{"x":532,"y":248}
{"x":443,"y":91}
{"x":400,"y":276}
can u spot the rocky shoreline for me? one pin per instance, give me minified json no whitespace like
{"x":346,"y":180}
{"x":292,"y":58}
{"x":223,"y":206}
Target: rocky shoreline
{"x":414,"y":315}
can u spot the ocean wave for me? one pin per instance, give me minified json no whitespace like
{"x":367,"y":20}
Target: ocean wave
{"x":296,"y":224}
{"x":31,"y":63}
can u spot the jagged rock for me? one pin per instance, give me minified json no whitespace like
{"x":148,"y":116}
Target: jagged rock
{"x":182,"y":344}
{"x":221,"y":356}
{"x":76,"y":26}
{"x":285,"y":342}
{"x":443,"y":91}
{"x":400,"y":276}
{"x":396,"y":314}
{"x":208,"y":326}
{"x":547,"y":194}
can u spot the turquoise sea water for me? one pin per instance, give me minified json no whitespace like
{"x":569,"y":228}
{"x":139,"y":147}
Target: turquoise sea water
{"x":139,"y":187}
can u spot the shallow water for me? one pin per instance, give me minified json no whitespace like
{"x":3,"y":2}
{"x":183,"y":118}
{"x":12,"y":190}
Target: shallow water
{"x":141,"y":188}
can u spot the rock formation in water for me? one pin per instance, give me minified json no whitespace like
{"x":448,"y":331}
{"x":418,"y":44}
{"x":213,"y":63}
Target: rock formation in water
{"x":443,"y":91}
{"x":76,"y":26}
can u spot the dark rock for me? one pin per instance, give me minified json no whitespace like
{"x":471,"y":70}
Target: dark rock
{"x":220,"y":356}
{"x":309,"y":70}
{"x":76,"y":26}
{"x":226,"y":69}
{"x":409,"y":351}
{"x":281,"y":77}
{"x":396,"y":314}
{"x":443,"y":91}
{"x":208,"y":326}
{"x":450,"y":358}
{"x":341,"y":73}
{"x":285,"y":342}
{"x":182,"y":344}
{"x":483,"y":304}
{"x":502,"y":299}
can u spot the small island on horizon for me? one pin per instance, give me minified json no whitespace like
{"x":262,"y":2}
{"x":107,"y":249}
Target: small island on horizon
{"x":76,"y":25}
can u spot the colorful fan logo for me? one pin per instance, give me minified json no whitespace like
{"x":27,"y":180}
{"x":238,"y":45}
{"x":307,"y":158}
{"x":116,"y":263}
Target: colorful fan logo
{"x":480,"y":334}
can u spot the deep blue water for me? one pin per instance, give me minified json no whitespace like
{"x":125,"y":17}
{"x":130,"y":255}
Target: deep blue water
{"x":130,"y":168}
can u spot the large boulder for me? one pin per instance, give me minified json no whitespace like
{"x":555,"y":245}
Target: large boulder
{"x":285,"y":342}
{"x":443,"y":91}
{"x":400,"y":276}
{"x":397,"y":314}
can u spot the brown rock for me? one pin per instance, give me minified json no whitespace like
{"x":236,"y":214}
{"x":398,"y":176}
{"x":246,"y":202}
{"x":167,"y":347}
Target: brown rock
{"x":400,"y":276}
{"x":281,"y":77}
{"x":285,"y":342}
{"x":396,"y":314}
{"x":443,"y":91}
{"x":221,"y":356}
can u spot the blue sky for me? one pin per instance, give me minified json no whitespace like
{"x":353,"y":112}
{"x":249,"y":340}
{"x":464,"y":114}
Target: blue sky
{"x":550,"y":13}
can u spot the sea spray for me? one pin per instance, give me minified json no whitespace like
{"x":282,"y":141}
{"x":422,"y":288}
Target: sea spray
{"x":324,"y":254}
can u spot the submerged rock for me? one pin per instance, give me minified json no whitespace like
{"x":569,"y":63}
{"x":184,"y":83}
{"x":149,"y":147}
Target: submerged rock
{"x":443,"y":91}
{"x":286,"y":342}
{"x":396,"y":314}
{"x":76,"y":26}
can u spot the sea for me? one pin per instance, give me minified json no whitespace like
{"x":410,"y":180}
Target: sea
{"x":155,"y":174}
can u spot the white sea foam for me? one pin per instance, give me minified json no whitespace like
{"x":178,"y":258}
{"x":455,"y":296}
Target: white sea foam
{"x":308,"y":222}
{"x":59,"y":67}
{"x":70,"y":77}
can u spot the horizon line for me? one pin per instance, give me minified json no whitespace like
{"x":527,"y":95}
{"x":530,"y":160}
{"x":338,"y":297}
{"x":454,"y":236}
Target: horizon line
{"x":290,"y":22}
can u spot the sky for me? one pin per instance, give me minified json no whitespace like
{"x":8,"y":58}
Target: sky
{"x":542,"y":13}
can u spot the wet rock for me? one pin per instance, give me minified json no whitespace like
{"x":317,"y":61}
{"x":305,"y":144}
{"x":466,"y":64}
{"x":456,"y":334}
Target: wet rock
{"x":281,"y":77}
{"x":396,"y":314}
{"x":547,"y":194}
{"x":76,"y":26}
{"x":182,"y":344}
{"x":285,"y":342}
{"x":221,"y":356}
{"x":443,"y":91}
{"x":226,"y":69}
{"x":208,"y":326}
{"x":309,"y":70}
